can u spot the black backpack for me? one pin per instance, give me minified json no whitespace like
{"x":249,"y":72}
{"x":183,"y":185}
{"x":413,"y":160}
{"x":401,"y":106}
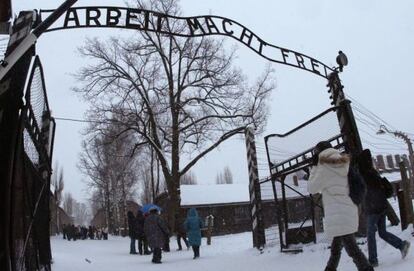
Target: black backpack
{"x":386,"y":186}
{"x":357,"y":186}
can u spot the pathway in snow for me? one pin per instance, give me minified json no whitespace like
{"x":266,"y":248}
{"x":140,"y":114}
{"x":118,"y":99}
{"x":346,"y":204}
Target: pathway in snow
{"x":231,"y":252}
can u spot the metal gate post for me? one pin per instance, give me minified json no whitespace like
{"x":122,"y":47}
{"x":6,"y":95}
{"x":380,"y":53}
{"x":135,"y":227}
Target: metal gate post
{"x":254,"y":191}
{"x":348,"y":128}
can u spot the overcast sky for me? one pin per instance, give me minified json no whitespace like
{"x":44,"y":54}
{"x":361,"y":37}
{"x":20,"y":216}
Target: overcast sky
{"x":376,"y":35}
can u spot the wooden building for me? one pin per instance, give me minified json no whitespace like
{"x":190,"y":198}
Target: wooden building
{"x":58,"y":217}
{"x":230,"y":207}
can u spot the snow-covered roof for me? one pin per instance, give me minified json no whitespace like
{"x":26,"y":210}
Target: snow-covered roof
{"x":236,"y":193}
{"x":214,"y":194}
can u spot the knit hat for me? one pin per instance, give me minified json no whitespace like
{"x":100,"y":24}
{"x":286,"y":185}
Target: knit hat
{"x":321,"y":146}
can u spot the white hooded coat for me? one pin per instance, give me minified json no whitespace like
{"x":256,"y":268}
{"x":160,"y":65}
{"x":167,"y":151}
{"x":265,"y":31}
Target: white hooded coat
{"x":330,"y":177}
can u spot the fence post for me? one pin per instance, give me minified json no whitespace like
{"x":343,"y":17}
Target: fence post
{"x":209,"y":228}
{"x":404,"y":198}
{"x":254,"y":191}
{"x":348,"y":128}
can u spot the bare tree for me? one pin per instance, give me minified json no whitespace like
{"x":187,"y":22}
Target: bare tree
{"x":80,"y":213}
{"x":111,"y":168}
{"x":68,"y":202}
{"x":147,"y":193}
{"x":189,"y":178}
{"x":227,"y":175}
{"x":96,"y":201}
{"x":219,"y":178}
{"x":152,"y":184}
{"x":181,"y":96}
{"x":58,"y":184}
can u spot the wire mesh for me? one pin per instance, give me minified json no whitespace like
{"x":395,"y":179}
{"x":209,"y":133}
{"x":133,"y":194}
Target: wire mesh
{"x":301,"y":215}
{"x":31,"y":215}
{"x":37,"y":95}
{"x":285,"y":146}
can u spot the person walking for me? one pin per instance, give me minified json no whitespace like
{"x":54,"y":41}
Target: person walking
{"x":376,"y":208}
{"x":91,"y":233}
{"x":329,"y":176}
{"x":132,"y":232}
{"x":155,"y":230}
{"x":142,"y":242}
{"x":193,"y":225}
{"x":181,"y":233}
{"x":64,"y":231}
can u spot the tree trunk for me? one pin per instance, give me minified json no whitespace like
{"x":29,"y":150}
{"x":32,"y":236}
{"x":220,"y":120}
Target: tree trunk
{"x":152,"y":176}
{"x":173,"y":203}
{"x":174,"y":184}
{"x":107,"y":209}
{"x":157,"y":186}
{"x":124,"y":208}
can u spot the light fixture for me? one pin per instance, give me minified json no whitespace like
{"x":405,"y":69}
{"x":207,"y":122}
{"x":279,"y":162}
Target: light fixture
{"x":382,"y":130}
{"x":342,"y":60}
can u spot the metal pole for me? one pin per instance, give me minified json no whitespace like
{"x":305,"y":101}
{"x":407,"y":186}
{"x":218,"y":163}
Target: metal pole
{"x":410,"y":151}
{"x":407,"y":140}
{"x":277,"y":206}
{"x":31,"y":39}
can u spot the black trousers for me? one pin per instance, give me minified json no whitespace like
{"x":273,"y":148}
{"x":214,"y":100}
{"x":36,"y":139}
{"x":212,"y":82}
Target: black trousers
{"x":156,"y":255}
{"x":196,"y":250}
{"x":179,"y":237}
{"x":143,"y":246}
{"x":348,"y":241}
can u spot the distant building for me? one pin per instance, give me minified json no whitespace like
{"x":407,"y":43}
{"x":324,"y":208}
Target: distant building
{"x":229,"y":204}
{"x":56,"y":225}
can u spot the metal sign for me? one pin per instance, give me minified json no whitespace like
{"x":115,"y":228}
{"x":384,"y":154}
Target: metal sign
{"x":197,"y":26}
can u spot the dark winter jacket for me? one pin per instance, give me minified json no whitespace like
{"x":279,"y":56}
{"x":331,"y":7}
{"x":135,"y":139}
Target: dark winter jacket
{"x":155,"y":230}
{"x":375,"y":199}
{"x":193,"y":225}
{"x":132,"y":225}
{"x":140,"y":224}
{"x":179,"y":226}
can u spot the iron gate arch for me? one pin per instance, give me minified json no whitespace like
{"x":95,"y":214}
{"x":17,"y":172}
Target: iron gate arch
{"x":197,"y":26}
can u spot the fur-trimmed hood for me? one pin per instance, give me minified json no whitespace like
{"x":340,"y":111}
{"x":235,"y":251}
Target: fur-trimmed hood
{"x":333,"y":156}
{"x":334,"y":160}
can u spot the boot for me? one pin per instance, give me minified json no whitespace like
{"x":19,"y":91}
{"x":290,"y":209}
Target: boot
{"x":405,"y":249}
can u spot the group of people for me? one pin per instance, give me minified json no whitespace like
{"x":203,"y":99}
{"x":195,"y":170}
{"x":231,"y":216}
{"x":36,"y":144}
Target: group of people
{"x":330,"y":176}
{"x":153,"y":233}
{"x":72,"y":232}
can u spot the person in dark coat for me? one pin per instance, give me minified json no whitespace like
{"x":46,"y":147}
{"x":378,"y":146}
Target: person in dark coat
{"x":142,"y":241}
{"x":64,"y":231}
{"x":73,"y":232}
{"x":181,"y":233}
{"x":193,"y":225}
{"x":132,"y":232}
{"x":375,"y":209}
{"x":91,"y":233}
{"x":155,"y":230}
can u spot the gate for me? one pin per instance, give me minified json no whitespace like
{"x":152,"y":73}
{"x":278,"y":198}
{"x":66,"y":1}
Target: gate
{"x":27,"y":132}
{"x":299,"y":214}
{"x":27,"y":129}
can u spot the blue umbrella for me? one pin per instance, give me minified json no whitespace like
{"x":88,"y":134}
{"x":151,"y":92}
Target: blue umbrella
{"x":147,"y":207}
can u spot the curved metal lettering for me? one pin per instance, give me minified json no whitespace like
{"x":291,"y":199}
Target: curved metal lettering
{"x":197,"y":26}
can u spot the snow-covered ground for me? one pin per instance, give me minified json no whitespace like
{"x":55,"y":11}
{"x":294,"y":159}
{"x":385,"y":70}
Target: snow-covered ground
{"x":231,"y":252}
